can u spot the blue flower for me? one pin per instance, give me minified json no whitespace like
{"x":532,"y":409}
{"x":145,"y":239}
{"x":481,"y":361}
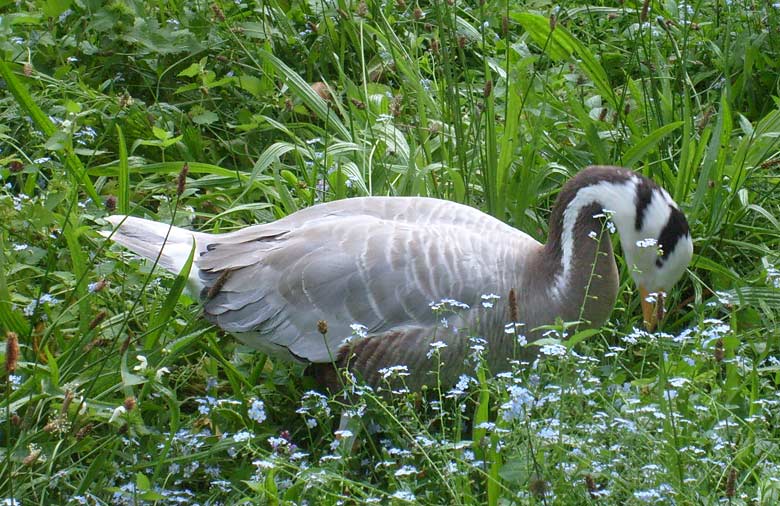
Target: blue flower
{"x":257,"y":411}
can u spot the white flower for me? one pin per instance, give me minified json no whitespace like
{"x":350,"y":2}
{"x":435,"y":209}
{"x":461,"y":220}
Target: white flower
{"x":343,"y":434}
{"x":118,"y":412}
{"x":358,"y":329}
{"x":553,"y":350}
{"x":406,"y":470}
{"x":394,"y":371}
{"x":160,"y":373}
{"x":435,"y":348}
{"x":142,"y":363}
{"x":404,"y":495}
{"x":646,"y":243}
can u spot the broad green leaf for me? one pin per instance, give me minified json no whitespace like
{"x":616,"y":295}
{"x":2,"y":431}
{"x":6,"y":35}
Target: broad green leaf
{"x":191,"y":71}
{"x":205,"y":118}
{"x":53,"y":8}
{"x":636,"y":152}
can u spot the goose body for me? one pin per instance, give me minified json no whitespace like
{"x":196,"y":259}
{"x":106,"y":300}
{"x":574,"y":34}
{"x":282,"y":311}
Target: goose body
{"x":375,"y":268}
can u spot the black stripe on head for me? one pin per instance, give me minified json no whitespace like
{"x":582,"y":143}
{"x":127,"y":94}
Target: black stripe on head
{"x":644,"y":195}
{"x":675,"y":229}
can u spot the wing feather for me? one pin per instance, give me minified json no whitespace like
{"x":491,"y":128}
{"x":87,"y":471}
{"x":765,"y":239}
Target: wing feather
{"x":377,"y":262}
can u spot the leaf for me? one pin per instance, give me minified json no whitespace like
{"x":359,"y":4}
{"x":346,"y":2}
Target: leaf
{"x":636,"y":152}
{"x":250,"y":84}
{"x":123,"y":199}
{"x":161,"y":134}
{"x":53,"y":8}
{"x":579,"y":337}
{"x":304,"y":91}
{"x":205,"y":118}
{"x":10,"y":319}
{"x":142,"y":482}
{"x":162,"y":317}
{"x":191,"y":71}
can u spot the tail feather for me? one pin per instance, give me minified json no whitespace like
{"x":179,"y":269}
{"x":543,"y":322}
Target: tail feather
{"x":169,"y":246}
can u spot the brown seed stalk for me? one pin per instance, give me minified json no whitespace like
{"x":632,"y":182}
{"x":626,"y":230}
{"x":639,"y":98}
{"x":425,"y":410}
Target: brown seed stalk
{"x":513,"y":313}
{"x":731,"y":483}
{"x":218,"y":284}
{"x":181,"y":180}
{"x":11,"y":351}
{"x":97,"y":319}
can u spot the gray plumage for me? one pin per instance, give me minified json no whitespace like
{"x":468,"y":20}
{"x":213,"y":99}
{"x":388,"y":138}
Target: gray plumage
{"x":381,"y":262}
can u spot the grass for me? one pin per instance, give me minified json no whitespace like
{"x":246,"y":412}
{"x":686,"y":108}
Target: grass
{"x":122,"y":395}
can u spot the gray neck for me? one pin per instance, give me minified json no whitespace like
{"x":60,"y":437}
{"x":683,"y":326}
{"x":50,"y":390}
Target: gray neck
{"x":578,"y":261}
{"x":592,"y":269}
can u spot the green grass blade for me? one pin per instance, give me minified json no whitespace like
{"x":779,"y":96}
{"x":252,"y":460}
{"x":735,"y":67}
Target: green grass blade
{"x":304,"y":91}
{"x":162,"y":317}
{"x":636,"y":152}
{"x":10,"y":319}
{"x":560,"y":44}
{"x":123,"y":199}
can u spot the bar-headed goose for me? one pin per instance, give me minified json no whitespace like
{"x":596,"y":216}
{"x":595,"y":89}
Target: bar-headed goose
{"x":379,"y":264}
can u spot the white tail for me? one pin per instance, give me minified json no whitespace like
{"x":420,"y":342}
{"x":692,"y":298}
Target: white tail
{"x":153,"y":240}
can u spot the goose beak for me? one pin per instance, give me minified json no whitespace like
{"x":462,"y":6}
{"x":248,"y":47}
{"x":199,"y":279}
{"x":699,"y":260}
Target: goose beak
{"x":652,"y":312}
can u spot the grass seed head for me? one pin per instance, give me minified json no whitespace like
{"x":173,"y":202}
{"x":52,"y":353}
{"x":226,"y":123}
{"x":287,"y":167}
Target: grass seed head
{"x":97,"y":319}
{"x":181,"y":180}
{"x":11,"y":351}
{"x":731,"y":483}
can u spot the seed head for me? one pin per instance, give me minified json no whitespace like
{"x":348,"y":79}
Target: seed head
{"x":488,"y":88}
{"x":97,"y":319}
{"x":84,"y":431}
{"x":362,"y":9}
{"x":32,"y":457}
{"x":111,"y":203}
{"x":125,"y":345}
{"x":513,"y":314}
{"x":322,"y":327}
{"x":591,"y":484}
{"x":731,"y":483}
{"x":181,"y":180}
{"x":11,"y":352}
{"x":218,"y":12}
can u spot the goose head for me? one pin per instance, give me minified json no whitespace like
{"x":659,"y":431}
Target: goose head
{"x":654,"y":233}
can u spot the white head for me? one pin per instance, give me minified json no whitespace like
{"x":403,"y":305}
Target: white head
{"x":654,"y":234}
{"x":658,"y":248}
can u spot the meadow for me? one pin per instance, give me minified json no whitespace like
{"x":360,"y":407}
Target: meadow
{"x":215,"y":115}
